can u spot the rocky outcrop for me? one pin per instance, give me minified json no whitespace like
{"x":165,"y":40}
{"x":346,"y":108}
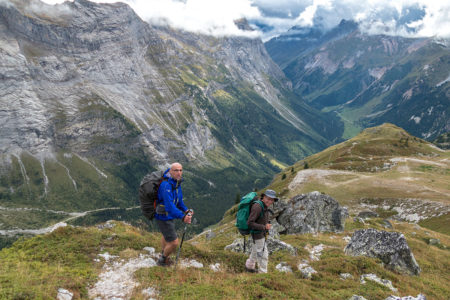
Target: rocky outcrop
{"x":390,"y":247}
{"x":311,"y":213}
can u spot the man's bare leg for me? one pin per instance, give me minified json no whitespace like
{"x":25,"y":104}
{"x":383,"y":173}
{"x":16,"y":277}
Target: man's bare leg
{"x":170,"y":247}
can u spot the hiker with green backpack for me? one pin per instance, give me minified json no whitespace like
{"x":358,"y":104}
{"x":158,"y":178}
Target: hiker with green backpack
{"x":257,"y":225}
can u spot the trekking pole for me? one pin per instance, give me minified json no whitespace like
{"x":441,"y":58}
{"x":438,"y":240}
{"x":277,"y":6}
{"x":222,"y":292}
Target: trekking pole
{"x":182,"y":239}
{"x":266,"y":232}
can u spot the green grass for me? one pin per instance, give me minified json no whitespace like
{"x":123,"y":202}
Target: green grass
{"x":36,"y":267}
{"x":365,"y":169}
{"x":12,"y":219}
{"x":438,"y":224}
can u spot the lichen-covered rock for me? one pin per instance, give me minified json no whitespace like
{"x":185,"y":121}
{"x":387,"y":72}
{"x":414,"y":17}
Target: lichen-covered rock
{"x":390,"y":247}
{"x":311,"y":213}
{"x":419,"y":297}
{"x":375,"y":278}
{"x":345,"y":276}
{"x":273,"y":245}
{"x":284,"y":267}
{"x":357,"y":297}
{"x":306,"y":270}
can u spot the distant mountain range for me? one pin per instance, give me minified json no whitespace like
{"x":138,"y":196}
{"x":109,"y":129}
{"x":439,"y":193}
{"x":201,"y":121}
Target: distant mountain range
{"x":92,"y":98}
{"x":369,"y":79}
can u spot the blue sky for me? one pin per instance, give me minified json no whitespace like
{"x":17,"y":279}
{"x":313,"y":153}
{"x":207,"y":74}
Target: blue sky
{"x":413,"y":18}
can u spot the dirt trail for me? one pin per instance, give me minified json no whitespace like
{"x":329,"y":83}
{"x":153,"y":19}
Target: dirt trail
{"x":53,"y":227}
{"x":321,"y":174}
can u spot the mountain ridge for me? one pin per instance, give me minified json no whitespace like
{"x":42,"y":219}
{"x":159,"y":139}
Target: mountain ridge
{"x":383,"y":168}
{"x":93,"y":98}
{"x":369,"y":80}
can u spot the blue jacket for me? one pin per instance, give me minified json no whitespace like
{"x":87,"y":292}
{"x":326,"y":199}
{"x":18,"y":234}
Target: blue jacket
{"x":170,"y":200}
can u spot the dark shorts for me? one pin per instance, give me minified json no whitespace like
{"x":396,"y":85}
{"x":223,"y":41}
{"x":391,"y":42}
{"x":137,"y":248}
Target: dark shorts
{"x":167,"y":229}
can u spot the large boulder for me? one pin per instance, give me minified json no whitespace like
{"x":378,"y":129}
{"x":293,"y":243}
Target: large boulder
{"x":390,"y":247}
{"x":311,"y":213}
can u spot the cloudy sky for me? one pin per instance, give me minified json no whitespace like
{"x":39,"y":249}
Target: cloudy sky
{"x":413,"y":18}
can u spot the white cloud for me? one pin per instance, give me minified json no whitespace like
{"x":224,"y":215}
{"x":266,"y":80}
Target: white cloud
{"x":394,"y":17}
{"x":213,"y":17}
{"x":306,"y":17}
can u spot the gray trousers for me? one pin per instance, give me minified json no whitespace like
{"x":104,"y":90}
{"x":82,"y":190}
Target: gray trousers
{"x":258,"y":255}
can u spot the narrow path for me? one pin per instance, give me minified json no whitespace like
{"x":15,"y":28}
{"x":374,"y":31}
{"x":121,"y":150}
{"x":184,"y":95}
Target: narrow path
{"x":73,"y":215}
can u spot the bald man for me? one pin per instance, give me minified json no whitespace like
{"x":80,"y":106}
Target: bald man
{"x":169,"y":207}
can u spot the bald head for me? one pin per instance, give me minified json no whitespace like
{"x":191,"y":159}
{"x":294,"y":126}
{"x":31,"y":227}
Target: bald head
{"x":176,"y":171}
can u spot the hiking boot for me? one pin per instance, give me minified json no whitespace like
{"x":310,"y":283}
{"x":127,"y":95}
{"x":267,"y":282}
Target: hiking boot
{"x":164,"y":261}
{"x":250,"y":270}
{"x":161,"y":261}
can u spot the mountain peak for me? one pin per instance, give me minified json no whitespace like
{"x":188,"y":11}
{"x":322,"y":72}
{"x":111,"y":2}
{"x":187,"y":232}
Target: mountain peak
{"x":243,"y":24}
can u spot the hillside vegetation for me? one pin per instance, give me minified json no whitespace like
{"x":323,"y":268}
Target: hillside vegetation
{"x":69,"y":258}
{"x":384,"y":167}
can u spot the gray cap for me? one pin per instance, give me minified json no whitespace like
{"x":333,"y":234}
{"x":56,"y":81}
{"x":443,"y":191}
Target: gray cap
{"x":271,"y":194}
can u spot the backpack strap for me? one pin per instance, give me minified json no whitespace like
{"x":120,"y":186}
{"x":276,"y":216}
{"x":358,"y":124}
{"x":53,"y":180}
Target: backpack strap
{"x":175,"y":200}
{"x":260,"y":216}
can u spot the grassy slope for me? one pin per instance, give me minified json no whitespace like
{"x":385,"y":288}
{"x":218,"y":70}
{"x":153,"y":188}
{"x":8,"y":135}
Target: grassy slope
{"x":381,"y":162}
{"x":37,"y":267}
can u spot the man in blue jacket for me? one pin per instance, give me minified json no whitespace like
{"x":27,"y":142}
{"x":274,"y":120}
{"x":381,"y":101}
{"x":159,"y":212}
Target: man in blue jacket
{"x":169,"y":207}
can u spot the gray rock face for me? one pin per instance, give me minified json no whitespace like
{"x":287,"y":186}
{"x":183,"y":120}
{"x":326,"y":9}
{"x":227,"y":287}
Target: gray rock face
{"x":56,"y":60}
{"x":390,"y":247}
{"x":311,"y":213}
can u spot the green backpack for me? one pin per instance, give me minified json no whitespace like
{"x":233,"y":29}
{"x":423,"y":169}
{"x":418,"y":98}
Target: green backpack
{"x":244,"y":211}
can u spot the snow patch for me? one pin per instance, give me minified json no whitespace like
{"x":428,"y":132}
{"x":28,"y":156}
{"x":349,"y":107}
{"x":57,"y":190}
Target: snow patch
{"x":415,"y":119}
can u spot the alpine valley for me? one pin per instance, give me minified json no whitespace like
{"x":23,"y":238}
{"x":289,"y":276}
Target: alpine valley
{"x":92,"y":98}
{"x":369,"y":79}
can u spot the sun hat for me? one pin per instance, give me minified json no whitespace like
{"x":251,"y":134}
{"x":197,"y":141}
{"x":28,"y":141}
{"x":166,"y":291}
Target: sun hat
{"x":271,"y":194}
